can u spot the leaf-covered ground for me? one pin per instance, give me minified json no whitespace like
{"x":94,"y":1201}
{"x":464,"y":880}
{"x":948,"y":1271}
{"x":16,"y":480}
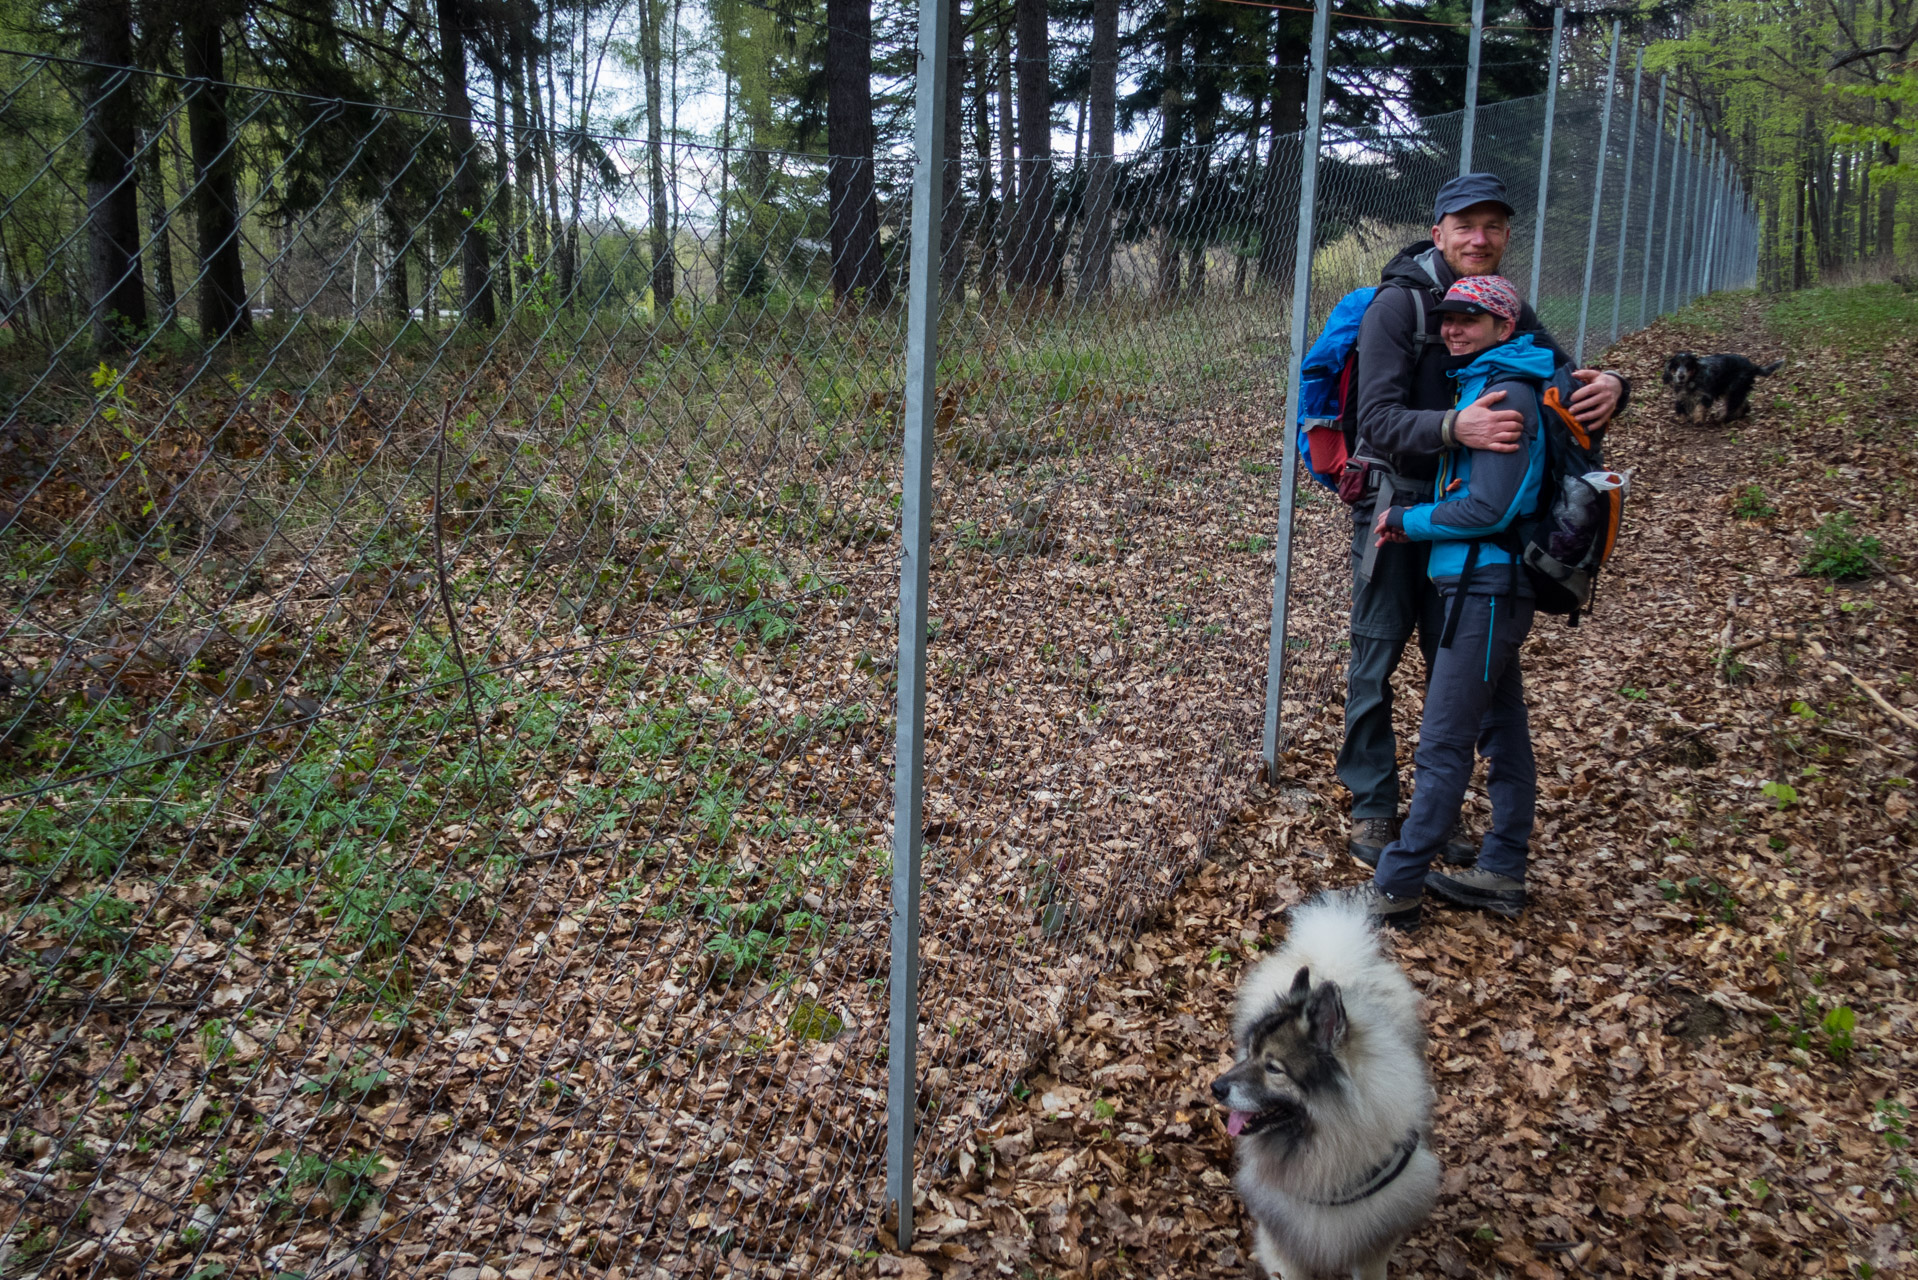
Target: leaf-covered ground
{"x":1695,"y":1055}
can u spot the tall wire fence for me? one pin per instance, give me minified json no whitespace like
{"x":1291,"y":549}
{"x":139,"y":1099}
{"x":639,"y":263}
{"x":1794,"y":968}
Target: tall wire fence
{"x":446,"y":766}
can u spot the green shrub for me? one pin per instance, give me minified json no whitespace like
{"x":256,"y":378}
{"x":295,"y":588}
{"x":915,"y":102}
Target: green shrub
{"x":1839,"y":551}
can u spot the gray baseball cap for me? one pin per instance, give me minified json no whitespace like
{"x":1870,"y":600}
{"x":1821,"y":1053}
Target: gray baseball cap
{"x":1469,"y":189}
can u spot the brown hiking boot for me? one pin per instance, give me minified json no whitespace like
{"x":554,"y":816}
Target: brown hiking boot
{"x":1368,"y":840}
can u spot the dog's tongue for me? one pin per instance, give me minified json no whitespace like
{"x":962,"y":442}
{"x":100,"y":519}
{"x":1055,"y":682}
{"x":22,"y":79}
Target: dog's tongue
{"x":1235,"y":1122}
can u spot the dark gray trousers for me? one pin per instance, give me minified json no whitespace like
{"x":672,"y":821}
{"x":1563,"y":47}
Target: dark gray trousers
{"x":1475,"y":701}
{"x":1398,"y":600}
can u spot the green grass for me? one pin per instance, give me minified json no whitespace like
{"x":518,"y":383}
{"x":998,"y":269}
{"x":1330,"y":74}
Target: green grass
{"x":1855,"y":318}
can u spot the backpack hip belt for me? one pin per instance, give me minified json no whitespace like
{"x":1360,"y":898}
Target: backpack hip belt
{"x":1389,"y":488}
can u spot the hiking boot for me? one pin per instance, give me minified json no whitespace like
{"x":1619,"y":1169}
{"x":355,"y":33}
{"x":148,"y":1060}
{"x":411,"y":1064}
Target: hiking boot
{"x":1385,"y":908}
{"x":1482,"y":890}
{"x":1368,"y":840}
{"x":1460,"y":849}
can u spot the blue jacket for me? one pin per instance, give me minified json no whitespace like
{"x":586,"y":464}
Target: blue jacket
{"x":1482,"y":492}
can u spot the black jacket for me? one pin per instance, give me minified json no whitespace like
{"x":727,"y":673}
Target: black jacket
{"x":1404,"y":391}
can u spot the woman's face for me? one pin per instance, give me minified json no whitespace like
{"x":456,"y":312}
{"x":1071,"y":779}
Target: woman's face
{"x":1465,"y":335}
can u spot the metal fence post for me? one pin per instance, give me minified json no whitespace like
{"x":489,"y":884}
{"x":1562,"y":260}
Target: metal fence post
{"x":1289,"y":466}
{"x":1707,"y":158}
{"x":1625,"y":193}
{"x":909,"y":751}
{"x":1651,"y":203}
{"x":1471,"y":89}
{"x":1707,"y":181}
{"x":1680,"y":267}
{"x":1545,"y":153}
{"x":1709,"y":225}
{"x":1672,"y":209}
{"x":1598,"y":195}
{"x":1715,"y":227}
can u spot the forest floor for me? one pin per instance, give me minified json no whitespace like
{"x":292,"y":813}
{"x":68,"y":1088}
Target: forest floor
{"x":1696,"y":1053}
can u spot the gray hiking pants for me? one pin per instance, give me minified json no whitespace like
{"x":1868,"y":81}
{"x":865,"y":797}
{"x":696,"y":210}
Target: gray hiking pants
{"x":1398,"y":600}
{"x":1475,"y":701}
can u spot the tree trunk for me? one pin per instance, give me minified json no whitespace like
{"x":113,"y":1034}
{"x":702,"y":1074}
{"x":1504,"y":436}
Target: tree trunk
{"x":159,"y":228}
{"x":1035,"y":260}
{"x":852,"y":201}
{"x":1171,"y":169}
{"x":1798,"y":264}
{"x":398,"y":233}
{"x":1887,"y":206}
{"x":1278,"y":215}
{"x":525,"y":173}
{"x":468,"y":185}
{"x":725,"y":177}
{"x":659,"y":217}
{"x":952,"y":224}
{"x":216,"y":198}
{"x":549,"y":146}
{"x":119,"y":301}
{"x":984,"y":219}
{"x":1841,"y":242}
{"x":1254,"y":128}
{"x":502,"y":195}
{"x":1008,"y":167}
{"x":429,"y":283}
{"x":1102,"y":100}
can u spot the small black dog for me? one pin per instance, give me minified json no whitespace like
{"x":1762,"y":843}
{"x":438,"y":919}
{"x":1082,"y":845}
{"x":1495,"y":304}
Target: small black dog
{"x":1699,"y":382}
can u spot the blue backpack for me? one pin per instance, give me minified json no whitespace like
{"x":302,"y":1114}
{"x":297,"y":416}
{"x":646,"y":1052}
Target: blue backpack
{"x":1328,"y":408}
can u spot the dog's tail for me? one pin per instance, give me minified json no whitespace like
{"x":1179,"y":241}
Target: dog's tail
{"x":1768,"y":370}
{"x":1332,"y":925}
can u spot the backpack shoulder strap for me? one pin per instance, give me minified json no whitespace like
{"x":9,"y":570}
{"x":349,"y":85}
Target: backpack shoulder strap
{"x":1420,"y":338}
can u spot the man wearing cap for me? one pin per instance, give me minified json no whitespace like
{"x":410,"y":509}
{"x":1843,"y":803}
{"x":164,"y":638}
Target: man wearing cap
{"x":1406,"y":420}
{"x":1475,"y":694}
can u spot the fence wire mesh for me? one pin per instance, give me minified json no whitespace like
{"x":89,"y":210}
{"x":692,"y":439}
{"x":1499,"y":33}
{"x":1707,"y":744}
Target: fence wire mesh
{"x":449,"y":657}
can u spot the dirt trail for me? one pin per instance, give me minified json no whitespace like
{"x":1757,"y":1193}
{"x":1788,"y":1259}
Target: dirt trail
{"x":1696,"y":1053}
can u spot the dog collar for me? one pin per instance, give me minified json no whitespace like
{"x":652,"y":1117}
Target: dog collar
{"x":1381,"y":1176}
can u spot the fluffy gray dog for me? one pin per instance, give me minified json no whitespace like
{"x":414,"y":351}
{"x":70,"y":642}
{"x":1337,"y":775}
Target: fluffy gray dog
{"x":1330,"y":1100}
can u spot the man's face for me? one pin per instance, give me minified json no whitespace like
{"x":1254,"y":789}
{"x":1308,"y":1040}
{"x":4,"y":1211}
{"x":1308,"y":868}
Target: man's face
{"x":1472,"y":241}
{"x":1466,"y":335}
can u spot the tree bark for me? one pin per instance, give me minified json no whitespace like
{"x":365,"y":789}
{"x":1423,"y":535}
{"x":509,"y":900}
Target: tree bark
{"x":1035,"y":258}
{"x":502,"y":191}
{"x":398,"y":234}
{"x":984,"y":219}
{"x":1278,"y":220}
{"x":216,"y":198}
{"x":1798,"y":265}
{"x":1008,"y":166}
{"x":159,"y":228}
{"x":1102,"y":101}
{"x":1171,"y":169}
{"x":852,"y":200}
{"x":468,"y":184}
{"x":1254,"y":127}
{"x":952,"y":224}
{"x":119,"y":302}
{"x":659,"y":217}
{"x":1888,"y":206}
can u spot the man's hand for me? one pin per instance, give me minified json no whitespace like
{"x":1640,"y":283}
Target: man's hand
{"x":1480,"y":426}
{"x":1386,"y":535}
{"x":1596,"y":399}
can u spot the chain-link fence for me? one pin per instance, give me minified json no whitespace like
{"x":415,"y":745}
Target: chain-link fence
{"x":451,"y":648}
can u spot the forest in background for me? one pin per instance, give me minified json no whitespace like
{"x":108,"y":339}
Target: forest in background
{"x":508,"y":118}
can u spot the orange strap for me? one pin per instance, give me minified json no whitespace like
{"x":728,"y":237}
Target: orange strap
{"x":1572,"y":424}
